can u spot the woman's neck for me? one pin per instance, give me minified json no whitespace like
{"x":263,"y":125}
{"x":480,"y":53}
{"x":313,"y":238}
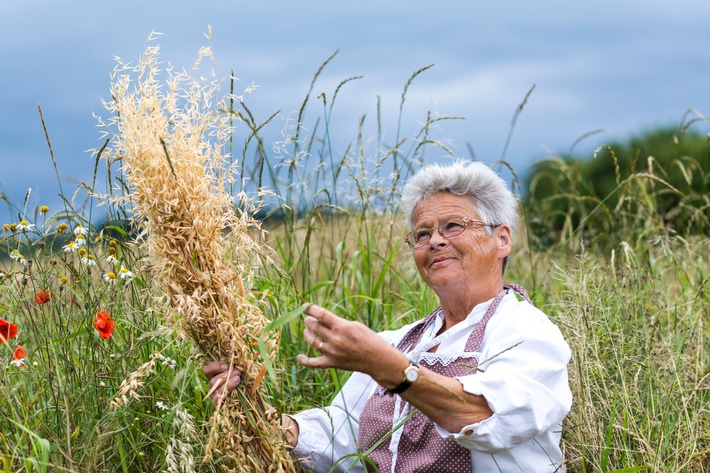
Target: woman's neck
{"x":458,"y":304}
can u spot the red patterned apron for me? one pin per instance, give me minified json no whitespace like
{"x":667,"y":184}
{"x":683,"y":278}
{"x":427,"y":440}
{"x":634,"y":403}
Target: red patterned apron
{"x":421,"y":448}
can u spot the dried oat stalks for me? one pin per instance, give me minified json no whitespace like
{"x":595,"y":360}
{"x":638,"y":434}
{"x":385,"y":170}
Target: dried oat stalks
{"x":170,"y":139}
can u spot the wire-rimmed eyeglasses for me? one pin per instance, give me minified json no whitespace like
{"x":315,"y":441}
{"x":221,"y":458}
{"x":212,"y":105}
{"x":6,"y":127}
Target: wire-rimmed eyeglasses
{"x":447,"y":229}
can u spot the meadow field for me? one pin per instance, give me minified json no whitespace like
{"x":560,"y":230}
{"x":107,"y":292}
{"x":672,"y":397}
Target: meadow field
{"x":101,"y":362}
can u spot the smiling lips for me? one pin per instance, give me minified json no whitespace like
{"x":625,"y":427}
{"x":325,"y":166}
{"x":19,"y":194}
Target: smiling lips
{"x":441,"y":259}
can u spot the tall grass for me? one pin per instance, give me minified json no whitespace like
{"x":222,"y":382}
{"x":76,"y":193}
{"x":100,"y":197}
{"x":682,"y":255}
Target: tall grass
{"x":634,"y":305}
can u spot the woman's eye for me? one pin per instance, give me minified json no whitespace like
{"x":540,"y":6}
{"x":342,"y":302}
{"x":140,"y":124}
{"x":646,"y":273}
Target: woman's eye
{"x":452,"y":225}
{"x":420,"y":235}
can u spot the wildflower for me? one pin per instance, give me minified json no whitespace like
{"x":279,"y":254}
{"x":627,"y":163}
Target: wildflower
{"x":18,"y":357}
{"x":125,"y":273}
{"x":79,"y":230}
{"x":61,"y":228}
{"x":88,"y":260}
{"x":8,"y":330}
{"x":82,"y":252}
{"x":161,"y":405}
{"x":13,"y":227}
{"x":6,"y":227}
{"x":43,"y":296}
{"x":102,"y":384}
{"x":112,"y":243}
{"x":165,"y":360}
{"x":35,"y":363}
{"x":99,"y":239}
{"x":24,"y":225}
{"x":104,"y":324}
{"x":16,"y":255}
{"x":64,"y":279}
{"x":112,"y":259}
{"x":110,"y":277}
{"x":44,"y":209}
{"x":80,"y":240}
{"x":70,"y":247}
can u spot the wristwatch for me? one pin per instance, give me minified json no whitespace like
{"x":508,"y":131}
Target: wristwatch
{"x":411,"y":375}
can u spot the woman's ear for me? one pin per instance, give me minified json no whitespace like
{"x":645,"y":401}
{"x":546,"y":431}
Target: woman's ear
{"x":504,"y":239}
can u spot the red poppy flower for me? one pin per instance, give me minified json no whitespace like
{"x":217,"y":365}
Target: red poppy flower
{"x":8,"y":330}
{"x":104,"y":324}
{"x":43,"y":297}
{"x":18,"y":357}
{"x":20,"y":353}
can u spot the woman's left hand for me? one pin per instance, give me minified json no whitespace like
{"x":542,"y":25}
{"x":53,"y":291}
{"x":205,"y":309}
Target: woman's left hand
{"x":349,"y":345}
{"x":222,"y":380}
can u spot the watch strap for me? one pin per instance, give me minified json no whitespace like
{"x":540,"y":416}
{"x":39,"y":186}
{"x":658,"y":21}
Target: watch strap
{"x":405,"y":384}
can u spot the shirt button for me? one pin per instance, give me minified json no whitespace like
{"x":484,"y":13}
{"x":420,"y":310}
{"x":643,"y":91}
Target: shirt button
{"x":468,"y":432}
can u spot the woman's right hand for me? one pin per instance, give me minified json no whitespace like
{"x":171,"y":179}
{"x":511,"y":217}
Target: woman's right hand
{"x":222,"y":381}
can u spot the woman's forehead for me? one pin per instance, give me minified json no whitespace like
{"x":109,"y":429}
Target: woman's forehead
{"x":442,"y":206}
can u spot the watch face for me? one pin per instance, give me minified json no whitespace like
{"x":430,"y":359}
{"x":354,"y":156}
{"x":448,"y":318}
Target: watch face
{"x":412,"y":374}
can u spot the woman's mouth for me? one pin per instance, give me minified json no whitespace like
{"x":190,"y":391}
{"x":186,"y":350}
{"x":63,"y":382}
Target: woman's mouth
{"x":440,"y":260}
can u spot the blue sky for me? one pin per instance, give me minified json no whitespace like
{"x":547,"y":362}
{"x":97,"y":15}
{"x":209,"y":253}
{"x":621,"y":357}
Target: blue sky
{"x":619,"y":66}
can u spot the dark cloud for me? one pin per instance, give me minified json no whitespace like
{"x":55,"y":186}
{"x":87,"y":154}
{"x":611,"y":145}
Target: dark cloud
{"x":606,"y":64}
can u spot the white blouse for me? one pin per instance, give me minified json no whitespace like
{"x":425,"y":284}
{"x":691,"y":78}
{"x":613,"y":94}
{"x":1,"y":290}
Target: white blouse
{"x":523,"y":377}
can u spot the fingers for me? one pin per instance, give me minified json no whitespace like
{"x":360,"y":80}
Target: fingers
{"x":223,"y":384}
{"x":322,"y":316}
{"x":214,"y":368}
{"x":316,"y":331}
{"x":315,"y":362}
{"x":314,"y":340}
{"x":222,"y":380}
{"x":320,"y":325}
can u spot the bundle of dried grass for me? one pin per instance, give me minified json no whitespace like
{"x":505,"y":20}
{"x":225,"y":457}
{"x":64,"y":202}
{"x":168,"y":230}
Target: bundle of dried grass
{"x":170,"y":139}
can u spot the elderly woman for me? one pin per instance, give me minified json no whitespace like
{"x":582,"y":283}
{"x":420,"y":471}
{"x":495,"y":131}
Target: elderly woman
{"x":479,"y":385}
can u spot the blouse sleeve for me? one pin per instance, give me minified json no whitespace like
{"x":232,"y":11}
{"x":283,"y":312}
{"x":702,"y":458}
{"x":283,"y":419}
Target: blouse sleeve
{"x":525,"y":382}
{"x":328,"y":436}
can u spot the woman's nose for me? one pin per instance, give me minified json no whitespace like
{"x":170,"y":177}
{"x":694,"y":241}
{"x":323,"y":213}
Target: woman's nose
{"x":436,"y":239}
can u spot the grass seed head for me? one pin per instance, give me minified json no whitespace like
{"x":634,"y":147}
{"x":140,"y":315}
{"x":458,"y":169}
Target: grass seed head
{"x":170,"y":138}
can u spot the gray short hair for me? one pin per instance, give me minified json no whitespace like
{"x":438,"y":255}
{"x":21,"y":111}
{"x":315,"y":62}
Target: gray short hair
{"x":494,"y":201}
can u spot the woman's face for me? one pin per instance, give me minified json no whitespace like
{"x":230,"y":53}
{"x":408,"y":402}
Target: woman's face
{"x":469,"y":259}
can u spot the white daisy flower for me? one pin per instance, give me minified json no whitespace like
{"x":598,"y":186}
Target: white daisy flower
{"x":80,"y":240}
{"x":110,"y":277}
{"x":161,"y":405}
{"x":88,"y":260}
{"x":125,"y":273}
{"x":70,"y":247}
{"x":17,"y":256}
{"x":112,"y":260}
{"x":79,"y":230}
{"x":24,"y":225}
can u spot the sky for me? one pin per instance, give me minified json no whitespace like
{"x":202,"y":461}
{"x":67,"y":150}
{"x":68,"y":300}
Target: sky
{"x":619,"y":67}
